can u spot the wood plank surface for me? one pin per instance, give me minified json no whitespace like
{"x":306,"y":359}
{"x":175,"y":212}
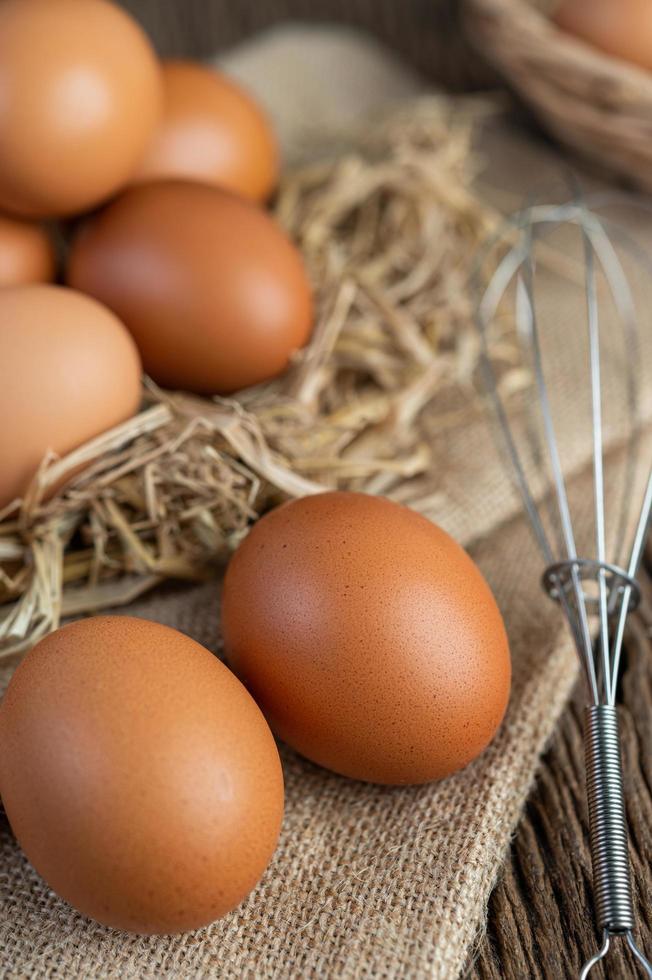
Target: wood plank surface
{"x":540,"y":921}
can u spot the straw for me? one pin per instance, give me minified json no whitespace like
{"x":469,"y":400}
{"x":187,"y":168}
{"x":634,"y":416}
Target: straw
{"x":388,"y":232}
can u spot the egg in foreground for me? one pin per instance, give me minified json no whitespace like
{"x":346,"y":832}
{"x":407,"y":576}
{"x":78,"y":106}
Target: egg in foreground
{"x":68,"y":372}
{"x":80,"y":95}
{"x":211,"y":131}
{"x":138,"y":775}
{"x":368,"y":637}
{"x":213,"y":292}
{"x":26,"y":253}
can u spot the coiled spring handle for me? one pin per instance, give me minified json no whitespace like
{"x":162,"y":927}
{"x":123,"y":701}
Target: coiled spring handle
{"x":608,"y":833}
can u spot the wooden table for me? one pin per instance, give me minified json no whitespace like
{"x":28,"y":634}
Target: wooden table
{"x":540,"y":914}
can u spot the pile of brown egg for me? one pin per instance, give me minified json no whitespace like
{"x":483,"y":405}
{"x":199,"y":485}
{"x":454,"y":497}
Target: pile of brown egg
{"x":137,"y":771}
{"x":155,"y":175}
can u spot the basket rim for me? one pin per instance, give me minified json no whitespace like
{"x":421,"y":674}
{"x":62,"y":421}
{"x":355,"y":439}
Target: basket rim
{"x":597,"y":104}
{"x":526,"y":19}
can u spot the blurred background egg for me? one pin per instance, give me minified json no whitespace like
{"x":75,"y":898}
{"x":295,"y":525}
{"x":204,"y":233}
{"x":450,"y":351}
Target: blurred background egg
{"x":212,"y":290}
{"x":69,"y":370}
{"x":212,"y":131}
{"x":368,"y":637}
{"x":26,"y":252}
{"x":138,"y":775}
{"x":80,"y":95}
{"x":622,"y":28}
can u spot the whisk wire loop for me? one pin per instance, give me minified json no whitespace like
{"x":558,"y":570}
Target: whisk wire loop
{"x":598,"y":472}
{"x":600,"y":955}
{"x":632,"y":568}
{"x":540,"y":479}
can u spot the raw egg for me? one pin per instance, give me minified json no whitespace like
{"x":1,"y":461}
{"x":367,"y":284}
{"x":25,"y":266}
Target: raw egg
{"x":80,"y":95}
{"x":26,"y":252}
{"x":212,"y":131}
{"x":368,"y":637}
{"x":213,"y":292}
{"x":138,"y":775}
{"x":69,"y":370}
{"x":622,"y":28}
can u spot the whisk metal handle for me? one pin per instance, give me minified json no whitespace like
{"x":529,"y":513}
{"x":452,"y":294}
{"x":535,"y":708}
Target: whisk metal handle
{"x":612,"y":883}
{"x":607,"y":825}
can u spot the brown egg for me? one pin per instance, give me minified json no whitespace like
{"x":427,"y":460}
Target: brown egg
{"x":26,"y":253}
{"x":212,"y":131}
{"x":138,"y":775}
{"x":80,"y":95}
{"x":368,"y":637}
{"x":213,"y":292}
{"x":622,"y":28}
{"x":68,"y":371}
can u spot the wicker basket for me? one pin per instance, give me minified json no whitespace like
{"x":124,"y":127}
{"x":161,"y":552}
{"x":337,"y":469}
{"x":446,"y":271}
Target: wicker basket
{"x":598,"y":105}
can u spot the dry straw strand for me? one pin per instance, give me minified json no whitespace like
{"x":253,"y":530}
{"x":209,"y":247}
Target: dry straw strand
{"x":387,"y":232}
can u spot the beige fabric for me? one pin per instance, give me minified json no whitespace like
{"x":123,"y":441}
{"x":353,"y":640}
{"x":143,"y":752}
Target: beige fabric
{"x":367,"y":881}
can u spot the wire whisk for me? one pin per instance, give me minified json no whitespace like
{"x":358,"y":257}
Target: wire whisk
{"x":590,"y":569}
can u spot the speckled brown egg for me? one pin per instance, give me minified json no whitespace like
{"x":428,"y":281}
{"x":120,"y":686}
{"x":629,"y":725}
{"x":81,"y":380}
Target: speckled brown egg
{"x":368,"y":637}
{"x":138,"y":775}
{"x":211,"y":131}
{"x":68,"y":371}
{"x":80,"y":95}
{"x":213,"y":292}
{"x":26,"y":252}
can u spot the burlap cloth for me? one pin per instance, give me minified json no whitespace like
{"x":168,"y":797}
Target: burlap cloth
{"x":367,"y":881}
